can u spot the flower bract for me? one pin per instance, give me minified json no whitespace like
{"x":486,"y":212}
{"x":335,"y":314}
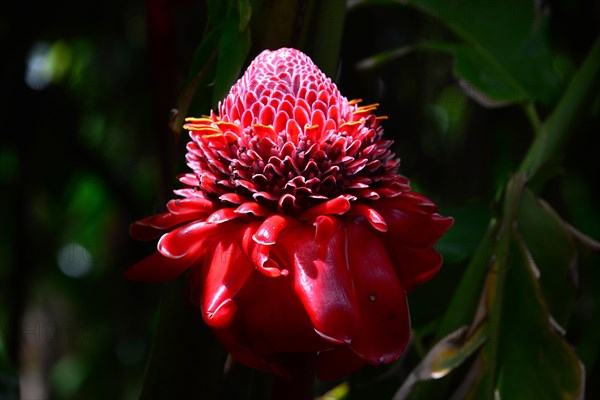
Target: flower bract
{"x":299,"y":234}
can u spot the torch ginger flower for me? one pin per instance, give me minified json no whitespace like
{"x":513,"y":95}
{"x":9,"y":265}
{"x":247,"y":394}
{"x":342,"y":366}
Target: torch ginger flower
{"x":298,"y":231}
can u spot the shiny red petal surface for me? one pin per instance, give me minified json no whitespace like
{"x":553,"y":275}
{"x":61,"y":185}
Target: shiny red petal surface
{"x":412,"y":225}
{"x":259,"y":254}
{"x":269,"y":230}
{"x":271,"y":319}
{"x":322,"y":281}
{"x":372,"y":216}
{"x":414,"y":265}
{"x":154,"y":226}
{"x":223,"y":215}
{"x":187,"y":240}
{"x":227,"y":273}
{"x":253,"y":208}
{"x":385,"y":325}
{"x":143,"y":230}
{"x":339,"y":205}
{"x":195,"y":204}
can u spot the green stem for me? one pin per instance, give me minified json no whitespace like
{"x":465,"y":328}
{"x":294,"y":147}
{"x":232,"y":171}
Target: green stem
{"x":497,"y":277}
{"x":322,"y":33}
{"x":557,"y":127}
{"x":534,"y":118}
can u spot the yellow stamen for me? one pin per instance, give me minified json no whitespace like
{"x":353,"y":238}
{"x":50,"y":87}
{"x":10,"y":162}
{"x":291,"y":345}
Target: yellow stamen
{"x":350,"y":123}
{"x":198,"y":120}
{"x":213,"y":135}
{"x":366,"y":108}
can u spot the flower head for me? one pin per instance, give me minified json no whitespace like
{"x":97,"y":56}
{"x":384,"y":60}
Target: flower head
{"x":298,"y":231}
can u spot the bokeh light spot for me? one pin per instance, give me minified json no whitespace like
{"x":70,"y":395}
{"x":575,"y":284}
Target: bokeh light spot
{"x":74,"y":260}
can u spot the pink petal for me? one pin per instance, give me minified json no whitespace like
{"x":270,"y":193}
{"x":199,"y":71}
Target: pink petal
{"x":293,"y":130}
{"x":301,"y":116}
{"x":318,"y":118}
{"x":382,"y":301}
{"x":280,"y":121}
{"x":189,"y":179}
{"x":267,"y":115}
{"x":322,"y":281}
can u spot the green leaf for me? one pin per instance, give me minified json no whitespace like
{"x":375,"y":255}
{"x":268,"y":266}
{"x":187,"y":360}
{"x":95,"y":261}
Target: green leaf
{"x":217,"y":61}
{"x":461,"y":310}
{"x":464,"y":306}
{"x":526,"y":355}
{"x":245,"y":14}
{"x":580,"y":93}
{"x":218,"y":10}
{"x":534,"y":361}
{"x":484,"y":81}
{"x":339,"y":392}
{"x":504,"y":53}
{"x":196,"y":92}
{"x":460,"y":242}
{"x":523,"y":339}
{"x":448,"y":354}
{"x":322,"y":31}
{"x":233,"y":49}
{"x":551,"y":250}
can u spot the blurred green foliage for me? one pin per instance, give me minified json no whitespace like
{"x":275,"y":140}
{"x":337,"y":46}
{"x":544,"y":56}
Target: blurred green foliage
{"x":88,"y":147}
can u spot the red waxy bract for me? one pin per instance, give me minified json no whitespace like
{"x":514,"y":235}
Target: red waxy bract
{"x":298,"y":231}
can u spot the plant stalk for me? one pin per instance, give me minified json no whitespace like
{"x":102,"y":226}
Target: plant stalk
{"x":559,"y":125}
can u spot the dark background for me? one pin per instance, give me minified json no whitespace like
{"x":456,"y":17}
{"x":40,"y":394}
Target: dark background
{"x":85,"y":149}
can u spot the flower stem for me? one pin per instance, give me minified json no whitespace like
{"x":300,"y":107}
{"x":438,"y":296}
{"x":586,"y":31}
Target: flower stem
{"x":300,"y":385}
{"x":557,"y":127}
{"x":321,"y":36}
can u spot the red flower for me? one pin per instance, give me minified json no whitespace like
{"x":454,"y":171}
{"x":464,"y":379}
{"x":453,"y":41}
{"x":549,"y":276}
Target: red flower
{"x":299,"y":234}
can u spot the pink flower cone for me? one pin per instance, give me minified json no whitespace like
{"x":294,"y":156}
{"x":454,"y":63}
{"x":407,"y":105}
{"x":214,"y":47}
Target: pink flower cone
{"x":298,"y":232}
